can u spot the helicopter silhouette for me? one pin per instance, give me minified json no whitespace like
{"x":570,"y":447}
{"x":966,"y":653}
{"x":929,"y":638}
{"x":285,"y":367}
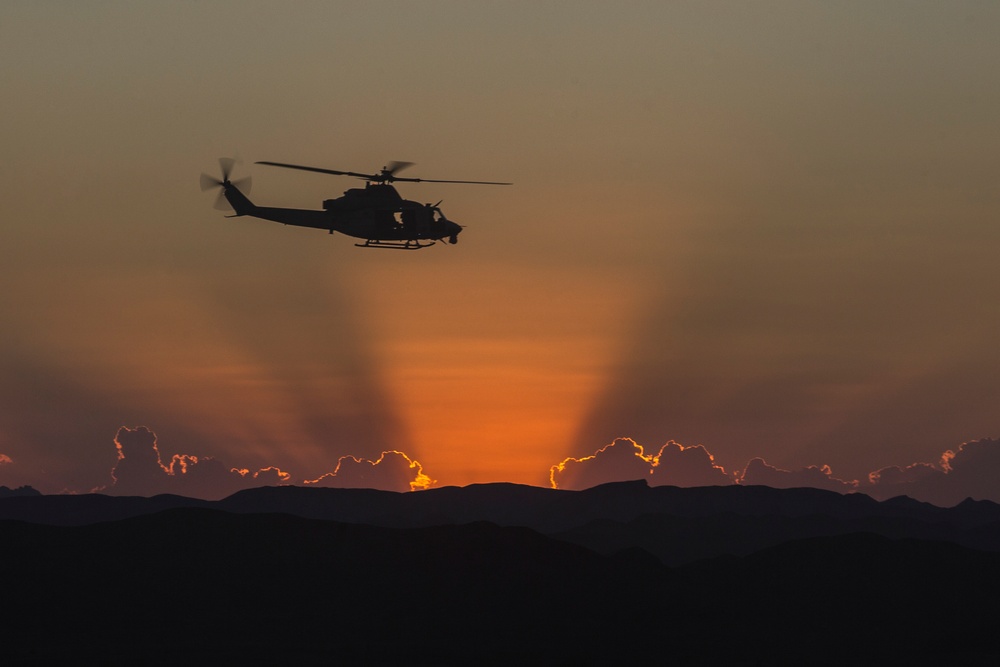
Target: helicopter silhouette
{"x":376,"y":213}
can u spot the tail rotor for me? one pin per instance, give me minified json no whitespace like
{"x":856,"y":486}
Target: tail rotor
{"x":207,"y":182}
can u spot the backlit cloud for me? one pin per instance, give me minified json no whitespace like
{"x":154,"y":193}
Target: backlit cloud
{"x":758,"y":472}
{"x":677,"y":465}
{"x":270,"y":476}
{"x":393,"y":471}
{"x":970,"y":471}
{"x":621,"y":461}
{"x":625,"y":460}
{"x":5,"y":465}
{"x":10,"y":475}
{"x":895,"y":477}
{"x":140,"y":471}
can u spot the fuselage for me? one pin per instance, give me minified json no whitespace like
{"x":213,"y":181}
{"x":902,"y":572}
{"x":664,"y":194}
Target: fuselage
{"x":374,"y":213}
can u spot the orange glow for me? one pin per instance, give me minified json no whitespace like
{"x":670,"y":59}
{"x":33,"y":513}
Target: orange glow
{"x":498,"y":417}
{"x":496,"y":390}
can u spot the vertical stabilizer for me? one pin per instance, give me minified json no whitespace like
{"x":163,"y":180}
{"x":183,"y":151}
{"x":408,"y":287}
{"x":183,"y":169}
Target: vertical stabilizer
{"x":239,"y":201}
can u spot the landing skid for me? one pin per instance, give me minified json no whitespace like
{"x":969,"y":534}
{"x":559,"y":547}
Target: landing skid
{"x":411,"y":244}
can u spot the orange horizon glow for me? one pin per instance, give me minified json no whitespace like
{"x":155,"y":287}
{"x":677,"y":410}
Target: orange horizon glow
{"x":498,"y":393}
{"x":495,"y":394}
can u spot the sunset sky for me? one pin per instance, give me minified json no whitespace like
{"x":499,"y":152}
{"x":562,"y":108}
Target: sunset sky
{"x":766,"y":228}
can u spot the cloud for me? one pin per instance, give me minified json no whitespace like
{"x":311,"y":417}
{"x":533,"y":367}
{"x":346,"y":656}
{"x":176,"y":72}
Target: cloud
{"x":759,"y":473}
{"x":894,"y":475}
{"x":621,"y":461}
{"x":677,"y":465}
{"x":140,"y":471}
{"x":393,"y":471}
{"x":970,"y":471}
{"x":7,"y":476}
{"x":625,"y":460}
{"x":270,"y":476}
{"x":12,"y":479}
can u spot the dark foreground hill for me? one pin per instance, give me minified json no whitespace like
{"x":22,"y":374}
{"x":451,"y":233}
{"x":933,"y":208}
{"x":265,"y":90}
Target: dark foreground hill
{"x":181,"y":581}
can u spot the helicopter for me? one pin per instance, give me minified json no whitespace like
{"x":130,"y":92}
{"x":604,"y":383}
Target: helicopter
{"x":375,"y":213}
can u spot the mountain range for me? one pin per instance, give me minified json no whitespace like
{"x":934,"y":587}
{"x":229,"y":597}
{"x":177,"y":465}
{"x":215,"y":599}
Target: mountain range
{"x":500,"y":574}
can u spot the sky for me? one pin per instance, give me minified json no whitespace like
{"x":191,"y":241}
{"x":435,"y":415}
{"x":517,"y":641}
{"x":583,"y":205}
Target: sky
{"x":765,"y":229}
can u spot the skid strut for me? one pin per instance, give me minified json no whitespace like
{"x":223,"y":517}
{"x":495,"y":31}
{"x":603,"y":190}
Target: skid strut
{"x":411,"y":244}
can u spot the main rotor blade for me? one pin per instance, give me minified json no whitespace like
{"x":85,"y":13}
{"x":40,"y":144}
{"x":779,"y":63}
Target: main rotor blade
{"x":387,"y":174}
{"x":432,"y":180}
{"x":394,"y":166}
{"x":317,"y":169}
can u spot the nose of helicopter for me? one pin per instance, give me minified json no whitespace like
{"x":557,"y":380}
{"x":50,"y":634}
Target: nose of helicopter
{"x":453,"y":230}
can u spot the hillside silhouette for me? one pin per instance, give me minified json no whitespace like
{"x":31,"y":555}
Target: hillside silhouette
{"x":500,"y":574}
